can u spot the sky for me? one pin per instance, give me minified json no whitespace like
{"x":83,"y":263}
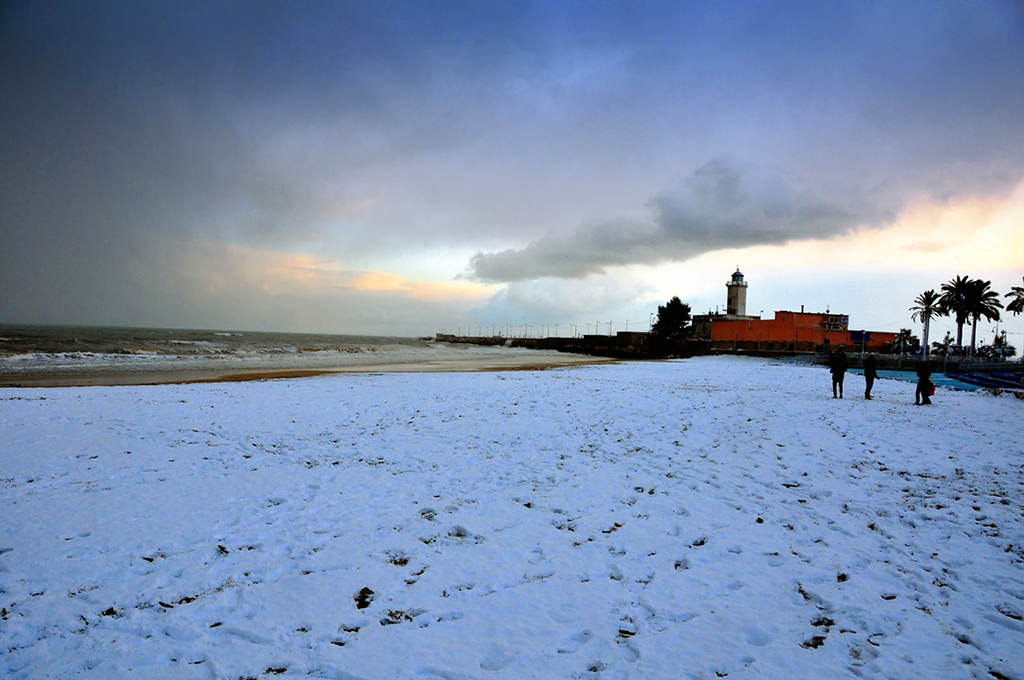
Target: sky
{"x":394,"y":168}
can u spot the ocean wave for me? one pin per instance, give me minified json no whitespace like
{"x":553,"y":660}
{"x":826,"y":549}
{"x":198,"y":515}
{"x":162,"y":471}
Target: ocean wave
{"x":194,"y":343}
{"x":43,"y":359}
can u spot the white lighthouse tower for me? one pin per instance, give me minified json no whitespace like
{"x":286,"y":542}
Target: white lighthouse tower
{"x":736,"y":302}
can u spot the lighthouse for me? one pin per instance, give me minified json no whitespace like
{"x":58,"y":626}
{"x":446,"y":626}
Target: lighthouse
{"x":736,"y":301}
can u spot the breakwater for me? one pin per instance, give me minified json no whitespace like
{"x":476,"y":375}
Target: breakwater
{"x":622,"y":345}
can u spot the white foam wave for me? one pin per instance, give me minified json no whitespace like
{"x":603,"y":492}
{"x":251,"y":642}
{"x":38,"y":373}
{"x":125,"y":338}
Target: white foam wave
{"x":193,"y":343}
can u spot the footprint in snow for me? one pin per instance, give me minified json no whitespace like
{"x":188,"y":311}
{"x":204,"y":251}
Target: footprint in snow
{"x":630,"y":652}
{"x":734,"y":666}
{"x":594,"y":669}
{"x":627,"y":628}
{"x":397,"y":557}
{"x":460,"y":532}
{"x":363,"y":598}
{"x":496,"y":658}
{"x":575,"y":641}
{"x":346,"y":633}
{"x":393,"y":617}
{"x":756,"y":636}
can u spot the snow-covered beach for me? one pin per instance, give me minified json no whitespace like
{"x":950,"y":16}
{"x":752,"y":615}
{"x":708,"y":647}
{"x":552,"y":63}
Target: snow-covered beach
{"x":715,"y":517}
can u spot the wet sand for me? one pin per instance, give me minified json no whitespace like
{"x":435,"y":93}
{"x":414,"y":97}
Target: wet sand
{"x":236,"y":374}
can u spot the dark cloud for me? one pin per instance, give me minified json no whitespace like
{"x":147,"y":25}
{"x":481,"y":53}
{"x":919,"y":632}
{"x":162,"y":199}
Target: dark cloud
{"x":131,"y":132}
{"x":719,"y":206}
{"x":857,"y":109}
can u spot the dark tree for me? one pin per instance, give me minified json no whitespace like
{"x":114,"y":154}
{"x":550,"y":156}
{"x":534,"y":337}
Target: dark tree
{"x":999,"y":349}
{"x":906,"y":342}
{"x":983,"y":302}
{"x":673,"y":322}
{"x":1016,"y":305}
{"x":926,"y":306}
{"x":955,"y":300}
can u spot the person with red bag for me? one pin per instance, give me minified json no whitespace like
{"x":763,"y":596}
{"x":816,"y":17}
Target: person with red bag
{"x":925,"y":388}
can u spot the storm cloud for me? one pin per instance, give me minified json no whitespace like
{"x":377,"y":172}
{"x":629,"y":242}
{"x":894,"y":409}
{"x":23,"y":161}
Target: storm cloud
{"x":719,"y":206}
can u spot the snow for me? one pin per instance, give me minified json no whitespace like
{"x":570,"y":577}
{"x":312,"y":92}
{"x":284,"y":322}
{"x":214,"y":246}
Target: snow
{"x":694,"y":519}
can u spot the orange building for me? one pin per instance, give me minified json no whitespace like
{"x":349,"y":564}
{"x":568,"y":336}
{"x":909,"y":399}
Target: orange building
{"x":787,"y":332}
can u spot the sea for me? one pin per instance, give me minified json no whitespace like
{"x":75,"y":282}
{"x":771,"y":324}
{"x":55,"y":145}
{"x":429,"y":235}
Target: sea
{"x":80,"y":350}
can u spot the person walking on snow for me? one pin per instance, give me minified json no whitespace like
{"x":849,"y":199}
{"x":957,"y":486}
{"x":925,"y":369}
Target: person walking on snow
{"x":870,"y":373}
{"x":837,"y":364}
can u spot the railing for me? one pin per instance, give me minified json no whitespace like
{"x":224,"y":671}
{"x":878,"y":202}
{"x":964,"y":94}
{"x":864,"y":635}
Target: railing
{"x":942,"y":364}
{"x":553,"y":330}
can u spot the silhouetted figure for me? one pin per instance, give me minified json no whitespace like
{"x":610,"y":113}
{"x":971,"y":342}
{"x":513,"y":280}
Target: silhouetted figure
{"x":837,"y":364}
{"x":924,"y":383}
{"x":870,"y":373}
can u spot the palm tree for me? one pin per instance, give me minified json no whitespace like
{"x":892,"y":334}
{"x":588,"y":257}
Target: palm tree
{"x":1016,"y":305}
{"x":927,"y":306}
{"x":953,"y":300}
{"x":982,"y":301}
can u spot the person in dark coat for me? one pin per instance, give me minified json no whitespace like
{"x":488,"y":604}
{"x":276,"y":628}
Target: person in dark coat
{"x":870,"y":373}
{"x":837,"y":364}
{"x":924,"y":383}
